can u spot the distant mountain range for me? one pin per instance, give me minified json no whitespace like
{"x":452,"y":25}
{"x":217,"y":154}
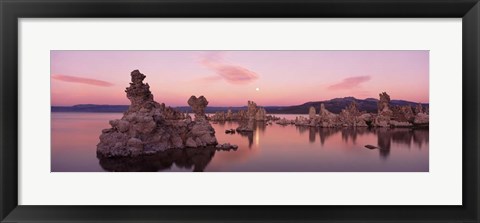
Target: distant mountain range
{"x":337,"y":104}
{"x":334,"y":105}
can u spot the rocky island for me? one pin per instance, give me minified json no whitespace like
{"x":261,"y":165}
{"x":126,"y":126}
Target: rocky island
{"x":148,"y":127}
{"x":387,"y":116}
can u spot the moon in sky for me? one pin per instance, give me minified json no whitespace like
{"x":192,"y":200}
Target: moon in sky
{"x":257,"y":89}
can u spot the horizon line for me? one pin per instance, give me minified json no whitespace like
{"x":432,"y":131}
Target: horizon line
{"x":186,"y":105}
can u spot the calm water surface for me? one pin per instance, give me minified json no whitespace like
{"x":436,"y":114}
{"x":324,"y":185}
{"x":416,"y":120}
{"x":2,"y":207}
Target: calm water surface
{"x":271,"y":148}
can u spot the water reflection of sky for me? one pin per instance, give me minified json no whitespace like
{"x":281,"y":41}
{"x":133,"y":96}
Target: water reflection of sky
{"x":271,"y":148}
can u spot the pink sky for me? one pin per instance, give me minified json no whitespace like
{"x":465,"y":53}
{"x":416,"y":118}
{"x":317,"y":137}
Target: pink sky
{"x":231,"y":78}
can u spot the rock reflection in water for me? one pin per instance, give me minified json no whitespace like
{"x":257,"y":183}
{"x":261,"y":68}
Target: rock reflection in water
{"x":259,"y":126}
{"x":270,"y":148}
{"x":353,"y":133}
{"x":249,"y":136}
{"x":325,"y":133}
{"x":312,"y":134}
{"x":400,"y":136}
{"x":197,"y":159}
{"x":191,"y":158}
{"x":384,"y":139}
{"x":385,"y":136}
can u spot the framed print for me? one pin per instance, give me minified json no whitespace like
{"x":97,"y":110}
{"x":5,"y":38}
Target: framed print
{"x":239,"y":111}
{"x":253,"y":139}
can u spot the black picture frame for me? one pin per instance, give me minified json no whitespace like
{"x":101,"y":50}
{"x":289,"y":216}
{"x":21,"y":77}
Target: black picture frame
{"x":12,"y":10}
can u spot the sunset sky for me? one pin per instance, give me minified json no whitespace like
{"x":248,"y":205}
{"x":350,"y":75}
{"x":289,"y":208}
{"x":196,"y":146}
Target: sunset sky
{"x":231,"y":78}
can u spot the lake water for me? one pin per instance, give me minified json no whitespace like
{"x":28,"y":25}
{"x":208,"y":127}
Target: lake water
{"x":271,"y":148}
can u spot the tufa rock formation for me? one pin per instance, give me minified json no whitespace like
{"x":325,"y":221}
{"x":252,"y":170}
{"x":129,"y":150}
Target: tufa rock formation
{"x":258,"y":113}
{"x":229,"y":115}
{"x":247,"y":126}
{"x":399,"y":116}
{"x":326,"y":119}
{"x":384,"y":113}
{"x":350,"y":116}
{"x":253,"y":113}
{"x":384,"y":103}
{"x":419,"y":108}
{"x":312,"y":112}
{"x":421,"y":117}
{"x":148,"y":127}
{"x":261,"y":114}
{"x":387,"y":116}
{"x":198,"y":106}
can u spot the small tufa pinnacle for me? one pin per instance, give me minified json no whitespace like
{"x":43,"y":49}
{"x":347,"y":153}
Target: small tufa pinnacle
{"x":138,"y":93}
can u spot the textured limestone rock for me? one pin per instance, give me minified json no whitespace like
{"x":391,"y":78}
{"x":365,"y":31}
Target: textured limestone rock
{"x":384,"y":113}
{"x":399,"y":116}
{"x":148,"y":127}
{"x":312,"y":112}
{"x":384,"y":104}
{"x":219,"y":116}
{"x":394,"y":123}
{"x":248,"y":125}
{"x":261,"y":114}
{"x":382,"y":121}
{"x":361,"y":123}
{"x":253,"y":111}
{"x":419,"y":108}
{"x":284,"y":121}
{"x":327,"y":119}
{"x":403,"y":113}
{"x":349,"y":116}
{"x":367,"y":117}
{"x":139,"y":93}
{"x":226,"y":146}
{"x":198,"y":106}
{"x":421,"y":119}
{"x":229,"y":115}
{"x":252,"y":108}
{"x":302,"y":121}
{"x":323,"y":111}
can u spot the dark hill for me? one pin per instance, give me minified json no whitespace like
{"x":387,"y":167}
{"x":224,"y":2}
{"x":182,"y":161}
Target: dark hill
{"x":336,"y":105}
{"x":90,"y":108}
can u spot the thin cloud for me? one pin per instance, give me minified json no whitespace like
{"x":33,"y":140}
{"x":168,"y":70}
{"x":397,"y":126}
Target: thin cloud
{"x":231,"y":73}
{"x":82,"y":80}
{"x":236,"y":74}
{"x":350,"y":83}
